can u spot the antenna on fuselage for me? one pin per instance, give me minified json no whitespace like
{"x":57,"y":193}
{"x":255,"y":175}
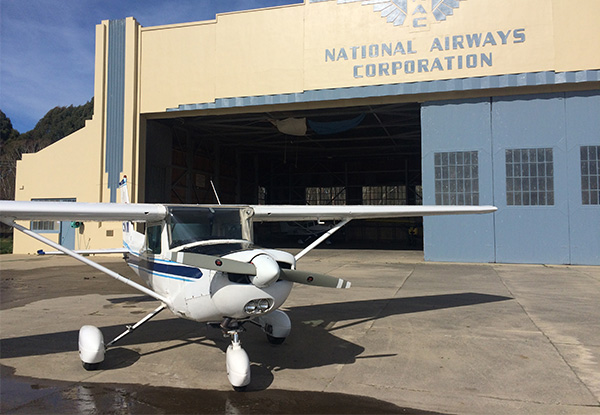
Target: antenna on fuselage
{"x":215,"y":191}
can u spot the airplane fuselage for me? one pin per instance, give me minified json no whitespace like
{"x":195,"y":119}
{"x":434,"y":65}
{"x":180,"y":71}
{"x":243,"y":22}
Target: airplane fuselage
{"x":209,"y":296}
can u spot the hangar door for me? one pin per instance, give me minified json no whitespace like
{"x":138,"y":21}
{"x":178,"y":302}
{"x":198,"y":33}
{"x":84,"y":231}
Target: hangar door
{"x":352,"y":155}
{"x":535,"y":157}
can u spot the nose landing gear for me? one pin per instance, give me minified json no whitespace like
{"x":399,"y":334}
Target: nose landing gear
{"x":238,"y":363}
{"x":276,"y":325}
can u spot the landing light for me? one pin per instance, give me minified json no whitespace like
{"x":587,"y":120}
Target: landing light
{"x":258,"y":306}
{"x":264,"y":305}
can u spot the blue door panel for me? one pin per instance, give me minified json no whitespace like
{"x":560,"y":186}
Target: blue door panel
{"x":531,"y":233}
{"x":583,"y":129}
{"x":67,"y":235}
{"x":456,"y":126}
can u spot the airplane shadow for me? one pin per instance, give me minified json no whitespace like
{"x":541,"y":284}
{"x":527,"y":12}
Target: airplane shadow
{"x":311,"y":343}
{"x":132,"y":299}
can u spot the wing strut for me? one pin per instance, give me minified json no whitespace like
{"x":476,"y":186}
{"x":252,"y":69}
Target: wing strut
{"x":86,"y":261}
{"x":322,"y":238}
{"x":136,"y":325}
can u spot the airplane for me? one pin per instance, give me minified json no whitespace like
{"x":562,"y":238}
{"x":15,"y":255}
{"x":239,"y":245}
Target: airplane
{"x":199,"y":261}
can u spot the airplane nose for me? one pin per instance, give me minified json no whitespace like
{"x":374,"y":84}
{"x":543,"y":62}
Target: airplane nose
{"x":267,"y":271}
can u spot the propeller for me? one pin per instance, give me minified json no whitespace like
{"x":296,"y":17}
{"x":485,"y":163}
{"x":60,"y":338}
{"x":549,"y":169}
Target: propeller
{"x":214,"y":263}
{"x":312,"y":278}
{"x":262,"y":271}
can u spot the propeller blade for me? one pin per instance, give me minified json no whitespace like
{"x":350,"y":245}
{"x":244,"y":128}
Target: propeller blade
{"x":312,"y":278}
{"x":214,"y":263}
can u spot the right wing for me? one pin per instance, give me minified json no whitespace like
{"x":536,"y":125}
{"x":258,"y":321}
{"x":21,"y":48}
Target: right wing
{"x":81,"y":211}
{"x":10,"y":211}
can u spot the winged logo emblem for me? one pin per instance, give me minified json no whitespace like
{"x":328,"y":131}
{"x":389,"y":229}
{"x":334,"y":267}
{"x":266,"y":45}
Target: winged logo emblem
{"x":398,"y":12}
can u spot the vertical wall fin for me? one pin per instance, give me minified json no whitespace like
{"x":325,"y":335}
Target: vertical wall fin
{"x":115,"y":104}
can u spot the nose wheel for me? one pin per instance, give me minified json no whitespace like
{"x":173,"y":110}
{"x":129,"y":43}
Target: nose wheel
{"x":238,"y":363}
{"x":276,"y":325}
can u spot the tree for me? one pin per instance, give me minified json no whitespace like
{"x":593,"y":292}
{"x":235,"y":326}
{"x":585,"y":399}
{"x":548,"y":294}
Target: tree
{"x":7,"y":132}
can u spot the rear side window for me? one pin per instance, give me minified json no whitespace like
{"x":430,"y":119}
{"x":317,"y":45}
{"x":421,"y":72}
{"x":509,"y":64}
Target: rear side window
{"x":153,"y":239}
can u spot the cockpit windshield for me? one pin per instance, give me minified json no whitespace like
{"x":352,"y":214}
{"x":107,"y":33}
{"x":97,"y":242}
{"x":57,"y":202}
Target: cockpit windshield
{"x":195,"y":224}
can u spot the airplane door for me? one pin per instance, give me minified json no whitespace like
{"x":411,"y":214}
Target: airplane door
{"x":67,"y":235}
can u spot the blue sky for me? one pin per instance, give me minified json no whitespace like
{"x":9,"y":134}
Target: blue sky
{"x":47,"y":46}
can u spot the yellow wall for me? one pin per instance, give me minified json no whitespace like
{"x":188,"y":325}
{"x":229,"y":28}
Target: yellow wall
{"x":70,"y":168}
{"x":289,"y":49}
{"x":259,"y":52}
{"x":174,"y":68}
{"x":576,"y":34}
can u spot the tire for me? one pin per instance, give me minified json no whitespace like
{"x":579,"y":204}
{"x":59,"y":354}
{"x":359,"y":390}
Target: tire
{"x":91,"y":366}
{"x":275,"y":340}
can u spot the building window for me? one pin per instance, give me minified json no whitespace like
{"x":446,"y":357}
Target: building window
{"x":590,"y":175}
{"x":457,"y":178}
{"x":384,"y":195}
{"x":326,"y":195}
{"x":529,"y":177}
{"x":45,"y":226}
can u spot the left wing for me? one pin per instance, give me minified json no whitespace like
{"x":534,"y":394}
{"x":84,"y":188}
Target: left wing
{"x":344,"y":214}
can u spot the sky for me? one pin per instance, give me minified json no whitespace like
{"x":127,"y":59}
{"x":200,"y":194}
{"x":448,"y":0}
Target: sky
{"x":47,"y":47}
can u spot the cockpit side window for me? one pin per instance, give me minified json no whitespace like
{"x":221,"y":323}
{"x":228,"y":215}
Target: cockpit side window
{"x":153,"y":239}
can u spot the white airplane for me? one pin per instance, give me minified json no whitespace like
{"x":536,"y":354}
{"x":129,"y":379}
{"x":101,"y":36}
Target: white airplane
{"x":199,"y":261}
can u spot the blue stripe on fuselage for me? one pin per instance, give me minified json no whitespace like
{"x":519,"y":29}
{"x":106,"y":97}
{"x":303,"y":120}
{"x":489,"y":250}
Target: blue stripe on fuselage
{"x":164,"y":268}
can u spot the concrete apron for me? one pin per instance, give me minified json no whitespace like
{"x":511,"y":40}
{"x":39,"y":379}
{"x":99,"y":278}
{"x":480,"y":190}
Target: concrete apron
{"x":455,"y":338}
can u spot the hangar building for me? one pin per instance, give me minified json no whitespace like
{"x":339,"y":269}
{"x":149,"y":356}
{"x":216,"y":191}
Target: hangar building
{"x":346,"y":101}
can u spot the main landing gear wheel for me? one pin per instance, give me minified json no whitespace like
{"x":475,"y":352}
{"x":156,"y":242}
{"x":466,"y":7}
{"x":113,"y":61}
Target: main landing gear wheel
{"x":90,"y":367}
{"x":91,"y":341}
{"x":276,"y":325}
{"x":91,"y":347}
{"x":275,"y":340}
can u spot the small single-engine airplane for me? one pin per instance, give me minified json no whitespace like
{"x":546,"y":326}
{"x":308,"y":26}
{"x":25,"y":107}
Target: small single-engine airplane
{"x":199,"y":261}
